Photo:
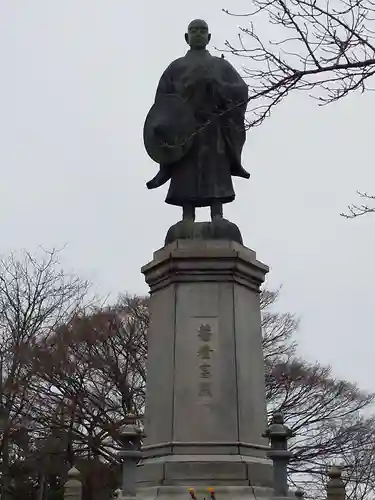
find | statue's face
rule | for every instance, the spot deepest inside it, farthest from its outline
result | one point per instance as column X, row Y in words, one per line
column 198, row 36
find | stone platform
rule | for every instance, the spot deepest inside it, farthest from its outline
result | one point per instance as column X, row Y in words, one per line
column 205, row 409
column 202, row 493
column 219, row 229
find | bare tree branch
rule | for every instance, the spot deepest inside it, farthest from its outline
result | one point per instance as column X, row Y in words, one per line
column 324, row 47
column 362, row 209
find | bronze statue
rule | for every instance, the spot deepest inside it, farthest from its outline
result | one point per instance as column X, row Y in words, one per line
column 195, row 129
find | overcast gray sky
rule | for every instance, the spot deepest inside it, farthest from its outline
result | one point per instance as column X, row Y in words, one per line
column 77, row 79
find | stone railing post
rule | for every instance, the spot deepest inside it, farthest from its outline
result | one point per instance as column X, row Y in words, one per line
column 335, row 485
column 131, row 438
column 278, row 435
column 73, row 485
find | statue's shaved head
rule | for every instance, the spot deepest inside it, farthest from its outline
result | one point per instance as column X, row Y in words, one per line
column 198, row 23
column 197, row 35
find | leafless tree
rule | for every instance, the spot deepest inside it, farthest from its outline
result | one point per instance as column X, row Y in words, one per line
column 358, row 462
column 324, row 47
column 35, row 297
column 366, row 207
column 278, row 329
column 91, row 372
column 329, row 416
column 329, row 419
column 94, row 374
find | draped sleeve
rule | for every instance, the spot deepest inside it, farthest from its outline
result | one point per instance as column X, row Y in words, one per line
column 234, row 87
column 234, row 91
column 170, row 81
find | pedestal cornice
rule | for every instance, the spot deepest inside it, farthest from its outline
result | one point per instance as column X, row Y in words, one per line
column 208, row 261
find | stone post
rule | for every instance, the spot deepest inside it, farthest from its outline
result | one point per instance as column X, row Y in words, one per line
column 73, row 486
column 278, row 435
column 335, row 485
column 130, row 436
column 205, row 407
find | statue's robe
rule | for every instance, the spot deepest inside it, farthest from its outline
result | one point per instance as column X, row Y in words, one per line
column 204, row 175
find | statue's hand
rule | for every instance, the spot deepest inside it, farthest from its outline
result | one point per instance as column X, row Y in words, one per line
column 201, row 83
column 207, row 78
column 198, row 76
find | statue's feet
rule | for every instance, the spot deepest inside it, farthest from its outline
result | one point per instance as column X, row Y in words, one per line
column 160, row 178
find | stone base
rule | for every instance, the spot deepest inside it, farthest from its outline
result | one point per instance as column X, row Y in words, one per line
column 221, row 229
column 210, row 470
column 201, row 492
column 205, row 407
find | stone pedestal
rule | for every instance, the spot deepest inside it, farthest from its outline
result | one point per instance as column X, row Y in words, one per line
column 205, row 410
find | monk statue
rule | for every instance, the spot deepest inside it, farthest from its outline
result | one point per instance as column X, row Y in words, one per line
column 195, row 129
